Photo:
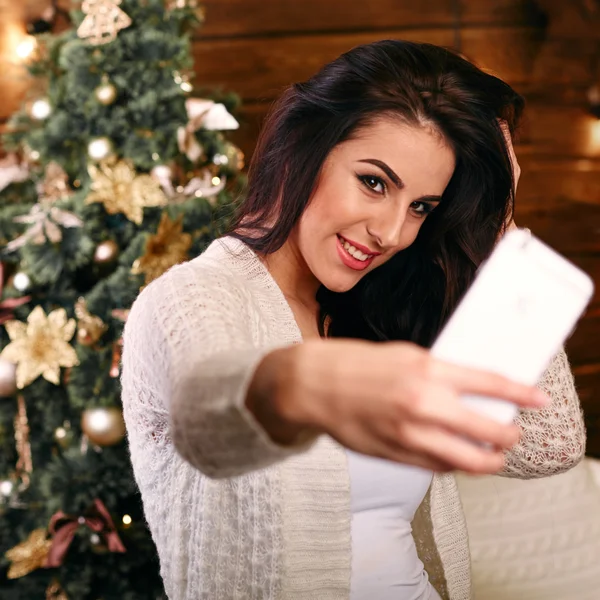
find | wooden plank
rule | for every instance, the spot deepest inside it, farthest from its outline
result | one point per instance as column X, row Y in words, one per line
column 260, row 68
column 583, row 347
column 587, row 382
column 570, row 227
column 257, row 68
column 257, row 17
column 502, row 11
column 591, row 265
column 548, row 188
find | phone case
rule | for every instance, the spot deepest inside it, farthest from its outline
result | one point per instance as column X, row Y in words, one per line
column 523, row 304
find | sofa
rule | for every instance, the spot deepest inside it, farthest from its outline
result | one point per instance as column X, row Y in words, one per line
column 535, row 539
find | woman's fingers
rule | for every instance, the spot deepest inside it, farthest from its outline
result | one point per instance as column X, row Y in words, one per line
column 474, row 381
column 440, row 445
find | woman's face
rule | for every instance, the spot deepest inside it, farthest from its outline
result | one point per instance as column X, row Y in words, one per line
column 372, row 197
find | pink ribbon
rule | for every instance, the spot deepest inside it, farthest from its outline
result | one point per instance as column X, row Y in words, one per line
column 6, row 307
column 62, row 528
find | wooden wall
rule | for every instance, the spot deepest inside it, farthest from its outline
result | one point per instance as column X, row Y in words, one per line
column 549, row 50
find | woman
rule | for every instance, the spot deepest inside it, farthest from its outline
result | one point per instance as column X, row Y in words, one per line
column 275, row 469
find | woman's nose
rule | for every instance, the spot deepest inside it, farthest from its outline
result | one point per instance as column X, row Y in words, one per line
column 387, row 229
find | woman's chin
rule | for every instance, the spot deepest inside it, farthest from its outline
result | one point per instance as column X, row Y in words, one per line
column 339, row 285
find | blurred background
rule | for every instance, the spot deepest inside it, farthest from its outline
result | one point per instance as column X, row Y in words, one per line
column 69, row 97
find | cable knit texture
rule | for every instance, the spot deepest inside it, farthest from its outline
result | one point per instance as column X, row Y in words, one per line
column 234, row 515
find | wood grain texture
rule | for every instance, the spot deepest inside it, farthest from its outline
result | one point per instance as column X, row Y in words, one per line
column 583, row 347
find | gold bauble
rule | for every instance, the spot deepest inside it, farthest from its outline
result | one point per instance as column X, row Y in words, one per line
column 106, row 252
column 106, row 93
column 64, row 435
column 8, row 379
column 103, row 426
column 235, row 157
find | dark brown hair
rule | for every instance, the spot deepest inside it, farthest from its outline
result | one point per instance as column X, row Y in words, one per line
column 411, row 295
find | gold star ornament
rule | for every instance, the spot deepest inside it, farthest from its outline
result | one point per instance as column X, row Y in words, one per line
column 121, row 190
column 40, row 346
column 165, row 249
column 28, row 555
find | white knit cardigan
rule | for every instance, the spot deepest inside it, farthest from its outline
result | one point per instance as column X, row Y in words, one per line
column 234, row 515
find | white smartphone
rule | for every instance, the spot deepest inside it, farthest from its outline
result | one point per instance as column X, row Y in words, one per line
column 523, row 304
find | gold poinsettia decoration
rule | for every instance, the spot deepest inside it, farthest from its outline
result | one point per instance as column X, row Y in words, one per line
column 165, row 249
column 28, row 555
column 90, row 328
column 40, row 346
column 122, row 190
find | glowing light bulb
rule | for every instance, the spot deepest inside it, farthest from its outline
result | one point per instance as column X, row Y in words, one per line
column 41, row 109
column 126, row 520
column 26, row 47
column 216, row 180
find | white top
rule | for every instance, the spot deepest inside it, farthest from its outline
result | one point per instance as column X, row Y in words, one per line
column 384, row 497
column 235, row 516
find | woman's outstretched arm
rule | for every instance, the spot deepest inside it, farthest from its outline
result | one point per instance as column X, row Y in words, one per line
column 553, row 438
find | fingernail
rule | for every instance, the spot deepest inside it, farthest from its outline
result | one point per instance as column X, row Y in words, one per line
column 541, row 398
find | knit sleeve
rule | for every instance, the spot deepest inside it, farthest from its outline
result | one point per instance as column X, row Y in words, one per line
column 552, row 439
column 189, row 335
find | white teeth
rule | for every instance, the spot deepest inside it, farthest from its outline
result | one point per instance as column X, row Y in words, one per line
column 354, row 252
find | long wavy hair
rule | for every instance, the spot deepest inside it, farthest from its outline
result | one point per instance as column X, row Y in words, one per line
column 411, row 295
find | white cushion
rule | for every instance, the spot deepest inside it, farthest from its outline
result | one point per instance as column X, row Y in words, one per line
column 536, row 539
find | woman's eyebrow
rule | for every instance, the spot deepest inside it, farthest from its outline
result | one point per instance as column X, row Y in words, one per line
column 386, row 169
column 395, row 179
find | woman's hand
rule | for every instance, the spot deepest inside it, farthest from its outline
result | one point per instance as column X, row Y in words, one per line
column 391, row 400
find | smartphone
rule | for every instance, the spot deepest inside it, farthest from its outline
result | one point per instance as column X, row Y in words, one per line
column 523, row 304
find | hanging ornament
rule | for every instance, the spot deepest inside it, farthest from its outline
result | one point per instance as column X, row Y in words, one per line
column 12, row 170
column 121, row 314
column 121, row 190
column 63, row 435
column 29, row 555
column 63, row 527
column 24, row 465
column 55, row 185
column 30, row 155
column 21, row 281
column 165, row 249
column 235, row 157
column 40, row 346
column 199, row 11
column 104, row 19
column 106, row 92
column 7, row 306
column 40, row 110
column 43, row 221
column 89, row 327
column 55, row 592
column 115, row 364
column 100, row 148
column 202, row 114
column 103, row 426
column 203, row 186
column 8, row 379
column 106, row 252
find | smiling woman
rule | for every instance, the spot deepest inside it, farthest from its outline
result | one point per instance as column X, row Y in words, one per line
column 277, row 457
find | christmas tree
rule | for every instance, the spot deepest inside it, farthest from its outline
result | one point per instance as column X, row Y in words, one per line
column 118, row 167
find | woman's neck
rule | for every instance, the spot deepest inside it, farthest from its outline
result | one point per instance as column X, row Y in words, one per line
column 292, row 275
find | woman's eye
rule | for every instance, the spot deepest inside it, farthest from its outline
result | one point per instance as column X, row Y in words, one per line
column 422, row 208
column 373, row 183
